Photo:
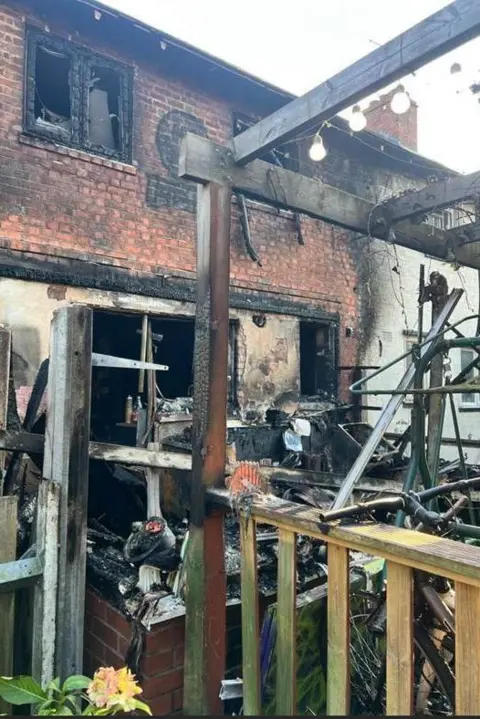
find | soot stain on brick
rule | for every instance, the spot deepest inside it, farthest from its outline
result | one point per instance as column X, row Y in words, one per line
column 172, row 192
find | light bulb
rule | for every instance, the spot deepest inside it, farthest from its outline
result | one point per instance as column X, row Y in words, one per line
column 400, row 101
column 318, row 150
column 456, row 77
column 358, row 121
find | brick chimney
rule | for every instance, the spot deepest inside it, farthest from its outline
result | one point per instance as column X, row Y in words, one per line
column 382, row 120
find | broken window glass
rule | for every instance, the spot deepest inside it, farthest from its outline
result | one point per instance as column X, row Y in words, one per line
column 52, row 91
column 104, row 108
column 77, row 98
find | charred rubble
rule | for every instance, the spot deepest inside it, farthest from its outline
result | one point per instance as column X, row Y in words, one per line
column 304, row 438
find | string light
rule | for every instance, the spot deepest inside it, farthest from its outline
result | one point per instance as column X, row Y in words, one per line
column 357, row 121
column 400, row 101
column 317, row 151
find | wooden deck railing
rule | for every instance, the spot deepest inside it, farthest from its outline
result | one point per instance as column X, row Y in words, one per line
column 404, row 551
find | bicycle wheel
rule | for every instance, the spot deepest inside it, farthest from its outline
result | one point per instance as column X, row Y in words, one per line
column 434, row 686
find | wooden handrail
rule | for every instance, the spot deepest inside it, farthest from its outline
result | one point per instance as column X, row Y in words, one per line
column 405, row 551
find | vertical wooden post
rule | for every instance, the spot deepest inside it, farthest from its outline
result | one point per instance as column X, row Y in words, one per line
column 438, row 292
column 45, row 592
column 66, row 463
column 467, row 642
column 8, row 549
column 252, row 704
column 286, row 624
column 338, row 628
column 399, row 639
column 5, row 350
column 205, row 572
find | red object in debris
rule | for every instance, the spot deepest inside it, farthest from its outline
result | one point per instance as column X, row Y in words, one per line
column 245, row 477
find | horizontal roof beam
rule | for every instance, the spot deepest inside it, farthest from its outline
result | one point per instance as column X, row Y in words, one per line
column 430, row 198
column 443, row 31
column 202, row 160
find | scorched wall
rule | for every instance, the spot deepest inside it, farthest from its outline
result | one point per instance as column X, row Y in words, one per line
column 71, row 205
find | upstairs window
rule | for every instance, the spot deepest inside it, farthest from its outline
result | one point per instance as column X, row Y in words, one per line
column 77, row 98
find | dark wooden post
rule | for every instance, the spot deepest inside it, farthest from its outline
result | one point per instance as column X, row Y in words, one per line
column 205, row 572
column 66, row 463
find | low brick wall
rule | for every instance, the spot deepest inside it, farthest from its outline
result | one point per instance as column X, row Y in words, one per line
column 107, row 637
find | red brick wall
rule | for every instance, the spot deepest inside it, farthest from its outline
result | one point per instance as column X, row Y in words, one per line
column 68, row 203
column 107, row 637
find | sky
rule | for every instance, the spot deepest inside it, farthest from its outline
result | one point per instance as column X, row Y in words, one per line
column 297, row 45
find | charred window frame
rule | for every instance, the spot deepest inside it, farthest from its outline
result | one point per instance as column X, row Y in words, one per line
column 285, row 156
column 66, row 117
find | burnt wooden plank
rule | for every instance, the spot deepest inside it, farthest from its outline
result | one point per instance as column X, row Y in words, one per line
column 252, row 704
column 66, row 463
column 204, row 565
column 467, row 643
column 399, row 639
column 139, row 456
column 22, row 442
column 45, row 593
column 5, row 351
column 8, row 548
column 286, row 624
column 435, row 196
column 441, row 32
column 338, row 626
column 202, row 160
column 446, row 557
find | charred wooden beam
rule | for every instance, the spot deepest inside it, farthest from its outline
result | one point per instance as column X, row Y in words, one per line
column 66, row 463
column 432, row 197
column 433, row 37
column 204, row 563
column 204, row 161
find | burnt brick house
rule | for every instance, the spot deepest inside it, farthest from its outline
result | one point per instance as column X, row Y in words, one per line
column 93, row 106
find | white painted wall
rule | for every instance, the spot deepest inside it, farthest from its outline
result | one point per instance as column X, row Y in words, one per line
column 394, row 292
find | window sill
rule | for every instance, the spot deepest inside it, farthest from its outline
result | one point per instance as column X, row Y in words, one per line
column 469, row 408
column 52, row 146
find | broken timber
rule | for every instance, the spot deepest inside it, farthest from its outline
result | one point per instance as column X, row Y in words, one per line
column 432, row 197
column 205, row 621
column 66, row 463
column 203, row 161
column 433, row 37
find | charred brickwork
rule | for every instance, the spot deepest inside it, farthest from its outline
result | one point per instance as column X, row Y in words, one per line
column 65, row 203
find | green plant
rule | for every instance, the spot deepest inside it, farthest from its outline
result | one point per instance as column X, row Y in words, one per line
column 109, row 692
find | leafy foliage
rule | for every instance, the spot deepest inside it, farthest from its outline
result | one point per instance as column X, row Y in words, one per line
column 109, row 692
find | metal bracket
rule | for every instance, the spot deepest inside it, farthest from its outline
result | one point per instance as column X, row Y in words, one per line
column 100, row 360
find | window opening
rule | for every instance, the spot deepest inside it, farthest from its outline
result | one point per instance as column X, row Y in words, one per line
column 466, row 357
column 77, row 98
column 52, row 91
column 119, row 335
column 104, row 107
column 317, row 359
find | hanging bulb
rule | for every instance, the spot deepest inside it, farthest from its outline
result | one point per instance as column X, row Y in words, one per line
column 318, row 150
column 456, row 76
column 400, row 101
column 358, row 121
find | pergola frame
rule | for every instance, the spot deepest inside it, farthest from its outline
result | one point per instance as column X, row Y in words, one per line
column 219, row 170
